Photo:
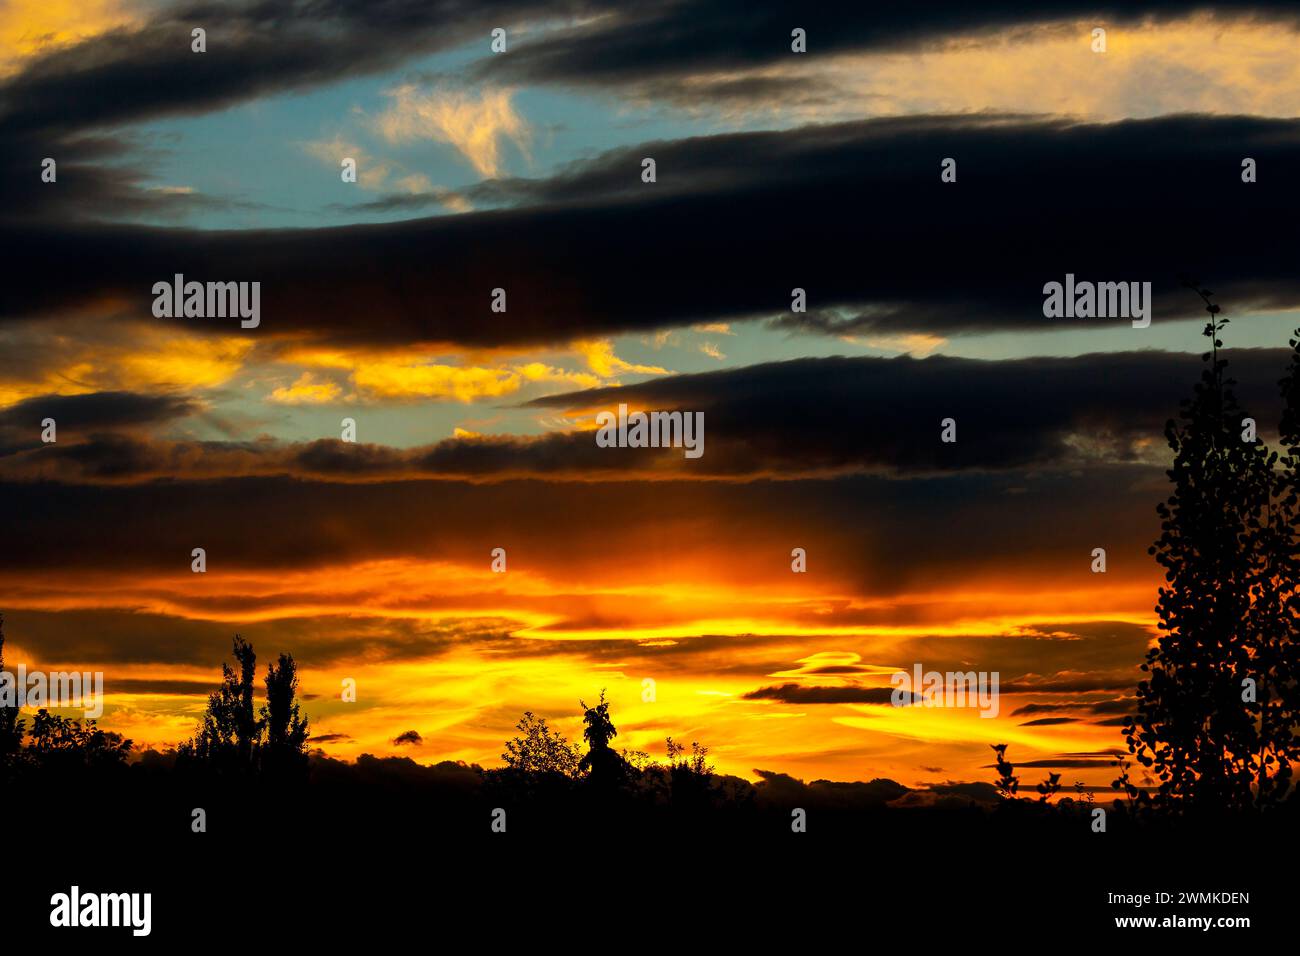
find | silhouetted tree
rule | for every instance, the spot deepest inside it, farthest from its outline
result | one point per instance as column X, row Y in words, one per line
column 1279, row 698
column 285, row 750
column 1007, row 783
column 11, row 724
column 1049, row 787
column 1204, row 739
column 230, row 731
column 59, row 743
column 540, row 750
column 691, row 777
column 602, row 763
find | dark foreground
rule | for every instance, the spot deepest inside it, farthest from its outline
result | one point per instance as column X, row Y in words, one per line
column 332, row 862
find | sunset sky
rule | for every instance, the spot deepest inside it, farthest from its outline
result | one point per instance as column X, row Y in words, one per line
column 522, row 170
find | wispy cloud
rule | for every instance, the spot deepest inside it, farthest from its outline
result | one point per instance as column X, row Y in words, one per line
column 475, row 126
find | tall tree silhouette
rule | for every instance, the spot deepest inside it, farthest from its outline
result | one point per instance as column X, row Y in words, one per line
column 285, row 750
column 1200, row 727
column 1280, row 698
column 230, row 731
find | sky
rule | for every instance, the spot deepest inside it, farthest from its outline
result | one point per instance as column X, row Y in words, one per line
column 522, row 170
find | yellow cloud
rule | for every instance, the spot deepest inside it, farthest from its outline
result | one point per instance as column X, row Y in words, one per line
column 307, row 390
column 372, row 173
column 393, row 380
column 917, row 344
column 410, row 380
column 1203, row 63
column 537, row 372
column 600, row 358
column 32, row 27
column 153, row 360
column 397, row 375
column 475, row 127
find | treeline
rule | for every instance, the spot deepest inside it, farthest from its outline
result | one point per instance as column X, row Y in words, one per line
column 54, row 746
column 234, row 738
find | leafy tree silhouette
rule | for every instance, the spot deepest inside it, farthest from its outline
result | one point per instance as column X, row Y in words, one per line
column 234, row 738
column 1279, row 699
column 691, row 777
column 1049, row 787
column 229, row 733
column 540, row 750
column 285, row 750
column 62, row 743
column 1007, row 783
column 604, row 766
column 1207, row 743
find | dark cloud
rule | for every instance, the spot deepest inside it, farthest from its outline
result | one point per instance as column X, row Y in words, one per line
column 886, row 533
column 160, row 686
column 70, row 104
column 94, row 423
column 783, row 419
column 657, row 46
column 1076, row 763
column 99, row 410
column 1119, row 705
column 1049, row 721
column 979, row 791
column 1041, row 709
column 111, row 637
column 796, row 694
column 253, row 49
column 411, row 737
column 795, row 415
column 853, row 213
column 784, row 789
column 99, row 176
column 1069, row 685
column 328, row 738
column 866, row 537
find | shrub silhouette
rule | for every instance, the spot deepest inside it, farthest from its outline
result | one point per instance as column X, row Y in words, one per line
column 1007, row 783
column 691, row 776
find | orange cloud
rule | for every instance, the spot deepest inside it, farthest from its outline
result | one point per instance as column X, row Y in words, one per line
column 144, row 358
column 32, row 27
